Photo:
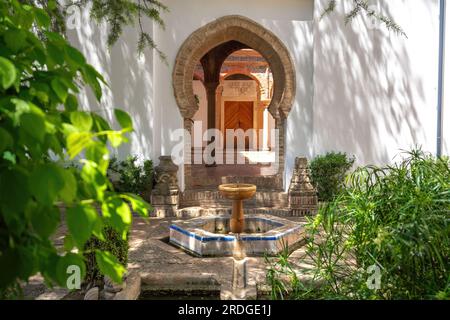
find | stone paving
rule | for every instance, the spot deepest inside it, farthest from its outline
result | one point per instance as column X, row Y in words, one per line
column 150, row 254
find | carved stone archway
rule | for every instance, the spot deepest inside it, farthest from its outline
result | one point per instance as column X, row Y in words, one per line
column 253, row 35
column 248, row 32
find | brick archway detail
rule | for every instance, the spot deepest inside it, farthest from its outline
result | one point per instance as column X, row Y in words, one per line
column 248, row 32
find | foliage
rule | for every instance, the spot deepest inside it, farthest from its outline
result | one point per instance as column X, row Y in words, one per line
column 40, row 120
column 328, row 173
column 112, row 243
column 118, row 14
column 395, row 218
column 363, row 7
column 134, row 178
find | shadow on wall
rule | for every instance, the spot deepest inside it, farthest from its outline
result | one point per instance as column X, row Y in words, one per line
column 129, row 79
column 374, row 90
column 299, row 129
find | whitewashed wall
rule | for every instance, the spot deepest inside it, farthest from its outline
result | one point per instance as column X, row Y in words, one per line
column 446, row 102
column 360, row 90
column 376, row 92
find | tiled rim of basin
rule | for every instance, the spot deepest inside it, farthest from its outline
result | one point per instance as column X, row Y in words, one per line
column 191, row 236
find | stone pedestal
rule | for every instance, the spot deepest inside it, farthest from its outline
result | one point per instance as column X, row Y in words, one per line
column 302, row 194
column 165, row 194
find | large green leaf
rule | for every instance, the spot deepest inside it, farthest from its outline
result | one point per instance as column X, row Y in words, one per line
column 33, row 125
column 109, row 265
column 15, row 39
column 124, row 119
column 14, row 191
column 45, row 183
column 7, row 73
column 69, row 192
column 6, row 140
column 60, row 89
column 77, row 141
column 118, row 214
column 44, row 220
column 82, row 120
column 81, row 221
column 138, row 205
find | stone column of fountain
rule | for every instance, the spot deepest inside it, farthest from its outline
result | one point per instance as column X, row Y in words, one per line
column 238, row 193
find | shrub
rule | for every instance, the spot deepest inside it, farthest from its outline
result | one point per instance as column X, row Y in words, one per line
column 328, row 173
column 132, row 177
column 114, row 243
column 395, row 219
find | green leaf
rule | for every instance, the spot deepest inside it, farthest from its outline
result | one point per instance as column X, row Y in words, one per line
column 71, row 103
column 118, row 214
column 14, row 191
column 77, row 141
column 91, row 76
column 81, row 120
column 124, row 119
column 98, row 153
column 64, row 265
column 33, row 125
column 7, row 73
column 69, row 244
column 44, row 220
column 138, row 205
column 60, row 89
column 109, row 265
column 15, row 39
column 116, row 138
column 96, row 182
column 42, row 18
column 6, row 140
column 69, row 191
column 81, row 220
column 75, row 55
column 45, row 183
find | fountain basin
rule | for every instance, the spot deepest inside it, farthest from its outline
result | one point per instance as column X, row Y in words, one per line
column 211, row 237
column 237, row 192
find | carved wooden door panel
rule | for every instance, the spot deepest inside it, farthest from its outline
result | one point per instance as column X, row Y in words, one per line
column 238, row 115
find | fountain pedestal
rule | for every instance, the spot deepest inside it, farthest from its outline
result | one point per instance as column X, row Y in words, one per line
column 237, row 192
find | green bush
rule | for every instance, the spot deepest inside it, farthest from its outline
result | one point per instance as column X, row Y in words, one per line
column 394, row 218
column 113, row 243
column 133, row 178
column 328, row 173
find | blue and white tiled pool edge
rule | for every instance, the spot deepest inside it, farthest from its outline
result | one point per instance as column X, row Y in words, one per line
column 190, row 236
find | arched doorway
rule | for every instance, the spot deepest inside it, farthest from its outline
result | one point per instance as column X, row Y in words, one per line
column 211, row 45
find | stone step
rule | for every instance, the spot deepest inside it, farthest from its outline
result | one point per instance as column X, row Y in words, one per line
column 213, row 199
column 273, row 182
column 192, row 212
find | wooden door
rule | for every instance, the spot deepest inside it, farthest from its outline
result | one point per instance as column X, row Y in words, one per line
column 238, row 115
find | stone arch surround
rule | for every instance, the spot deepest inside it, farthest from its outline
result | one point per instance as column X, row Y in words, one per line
column 248, row 32
column 255, row 36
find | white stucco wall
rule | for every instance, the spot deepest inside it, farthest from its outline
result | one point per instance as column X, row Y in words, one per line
column 376, row 92
column 130, row 78
column 446, row 101
column 361, row 90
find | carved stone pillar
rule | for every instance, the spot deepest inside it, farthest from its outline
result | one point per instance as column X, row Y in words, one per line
column 165, row 194
column 302, row 194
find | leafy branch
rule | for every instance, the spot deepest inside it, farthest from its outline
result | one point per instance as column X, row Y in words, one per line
column 363, row 7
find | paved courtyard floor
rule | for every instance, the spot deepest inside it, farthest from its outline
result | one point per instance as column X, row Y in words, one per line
column 151, row 254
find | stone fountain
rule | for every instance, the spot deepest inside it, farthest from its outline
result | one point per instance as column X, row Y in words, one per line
column 249, row 235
